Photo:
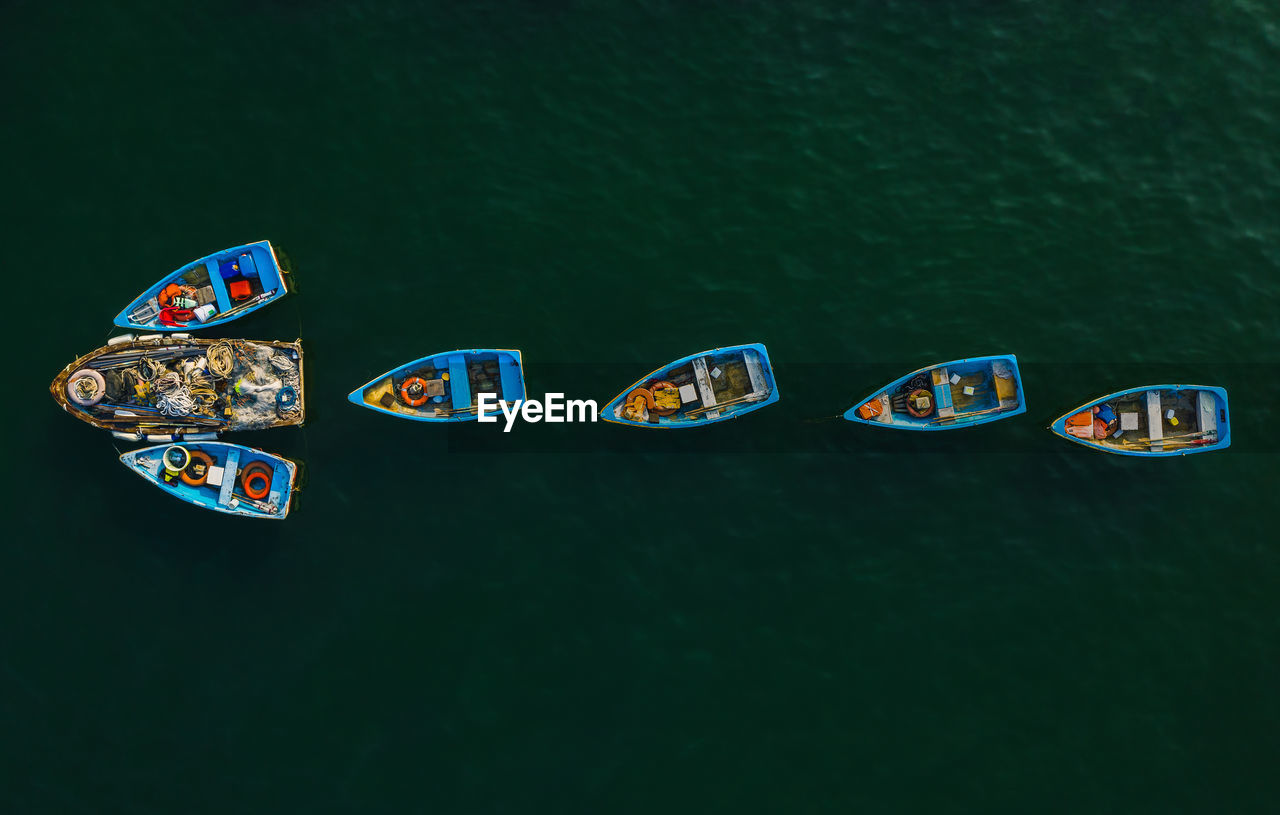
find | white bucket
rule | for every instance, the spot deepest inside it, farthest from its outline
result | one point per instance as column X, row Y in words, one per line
column 205, row 312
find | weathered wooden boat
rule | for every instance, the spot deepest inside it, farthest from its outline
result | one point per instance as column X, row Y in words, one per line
column 216, row 475
column 701, row 389
column 163, row 388
column 1153, row 420
column 956, row 394
column 445, row 387
column 213, row 290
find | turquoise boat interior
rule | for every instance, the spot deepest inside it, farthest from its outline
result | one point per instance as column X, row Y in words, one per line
column 446, row 387
column 698, row 390
column 224, row 477
column 1153, row 420
column 962, row 393
column 210, row 291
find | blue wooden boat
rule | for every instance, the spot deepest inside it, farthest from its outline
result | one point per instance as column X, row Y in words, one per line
column 210, row 291
column 445, row 387
column 228, row 478
column 962, row 393
column 1153, row 420
column 697, row 390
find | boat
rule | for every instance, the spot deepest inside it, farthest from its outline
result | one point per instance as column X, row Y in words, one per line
column 213, row 290
column 1152, row 420
column 216, row 475
column 951, row 395
column 697, row 390
column 445, row 387
column 161, row 388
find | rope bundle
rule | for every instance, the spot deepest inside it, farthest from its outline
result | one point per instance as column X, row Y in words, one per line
column 221, row 359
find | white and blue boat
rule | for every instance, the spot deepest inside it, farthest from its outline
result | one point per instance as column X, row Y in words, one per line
column 697, row 390
column 213, row 290
column 1152, row 420
column 215, row 475
column 962, row 393
column 446, row 387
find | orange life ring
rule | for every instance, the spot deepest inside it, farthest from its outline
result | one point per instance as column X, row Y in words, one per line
column 407, row 398
column 256, row 470
column 203, row 460
column 661, row 386
column 919, row 413
column 642, row 393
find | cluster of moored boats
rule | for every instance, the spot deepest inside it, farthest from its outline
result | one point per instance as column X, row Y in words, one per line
column 181, row 393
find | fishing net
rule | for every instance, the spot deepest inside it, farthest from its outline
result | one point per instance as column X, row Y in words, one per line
column 268, row 384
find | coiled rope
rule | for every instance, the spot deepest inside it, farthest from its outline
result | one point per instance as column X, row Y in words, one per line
column 221, row 359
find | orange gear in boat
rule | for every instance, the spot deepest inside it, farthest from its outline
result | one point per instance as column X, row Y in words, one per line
column 167, row 294
column 407, row 390
column 870, row 410
column 259, row 474
column 645, row 394
column 199, row 461
column 920, row 412
column 1080, row 419
column 661, row 386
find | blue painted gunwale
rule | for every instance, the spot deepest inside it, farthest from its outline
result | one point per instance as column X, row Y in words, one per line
column 284, row 473
column 1224, row 425
column 732, row 412
column 439, row 361
column 269, row 274
column 852, row 413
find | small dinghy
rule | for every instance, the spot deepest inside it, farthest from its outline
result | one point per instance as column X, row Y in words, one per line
column 215, row 475
column 446, row 387
column 210, row 291
column 956, row 394
column 1153, row 420
column 698, row 390
column 163, row 388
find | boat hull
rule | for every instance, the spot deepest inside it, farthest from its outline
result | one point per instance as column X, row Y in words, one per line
column 263, row 389
column 962, row 393
column 445, row 387
column 710, row 387
column 222, row 487
column 256, row 279
column 1134, row 413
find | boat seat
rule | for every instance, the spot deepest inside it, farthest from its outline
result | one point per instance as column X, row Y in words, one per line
column 1207, row 407
column 509, row 377
column 942, row 393
column 459, row 384
column 230, row 470
column 702, row 378
column 1155, row 422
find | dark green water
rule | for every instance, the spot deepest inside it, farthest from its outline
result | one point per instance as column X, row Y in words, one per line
column 772, row 615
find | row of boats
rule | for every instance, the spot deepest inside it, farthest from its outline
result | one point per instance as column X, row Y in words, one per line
column 725, row 383
column 182, row 392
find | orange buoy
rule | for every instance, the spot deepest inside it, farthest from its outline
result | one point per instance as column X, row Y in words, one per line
column 407, row 389
column 256, row 480
column 645, row 394
column 199, row 461
column 920, row 412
